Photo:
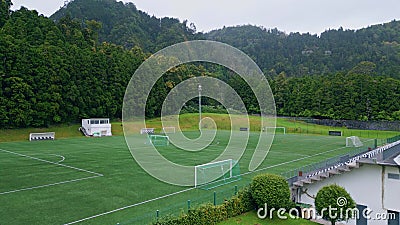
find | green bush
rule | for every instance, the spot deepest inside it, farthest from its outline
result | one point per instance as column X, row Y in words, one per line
column 246, row 200
column 210, row 214
column 265, row 188
column 239, row 204
column 334, row 196
column 270, row 189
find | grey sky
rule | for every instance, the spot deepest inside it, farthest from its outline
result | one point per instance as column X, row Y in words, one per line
column 314, row 16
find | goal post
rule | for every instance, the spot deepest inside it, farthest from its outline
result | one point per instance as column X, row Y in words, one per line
column 274, row 130
column 168, row 130
column 158, row 140
column 42, row 136
column 215, row 174
column 353, row 141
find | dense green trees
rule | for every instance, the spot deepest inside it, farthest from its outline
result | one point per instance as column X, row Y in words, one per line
column 352, row 95
column 4, row 11
column 305, row 54
column 59, row 72
column 274, row 51
column 56, row 73
column 125, row 25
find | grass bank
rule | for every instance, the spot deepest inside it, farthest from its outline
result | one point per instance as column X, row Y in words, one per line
column 189, row 122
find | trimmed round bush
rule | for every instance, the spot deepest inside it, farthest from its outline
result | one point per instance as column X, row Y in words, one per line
column 334, row 197
column 270, row 189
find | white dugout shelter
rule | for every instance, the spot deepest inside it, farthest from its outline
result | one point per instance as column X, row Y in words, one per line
column 96, row 127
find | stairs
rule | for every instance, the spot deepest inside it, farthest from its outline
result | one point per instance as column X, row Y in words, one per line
column 323, row 174
column 83, row 130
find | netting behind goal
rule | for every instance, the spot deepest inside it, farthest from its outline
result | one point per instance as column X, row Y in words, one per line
column 158, row 140
column 274, row 130
column 214, row 174
column 353, row 141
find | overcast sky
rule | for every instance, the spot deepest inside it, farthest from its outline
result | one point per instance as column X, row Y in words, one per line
column 314, row 16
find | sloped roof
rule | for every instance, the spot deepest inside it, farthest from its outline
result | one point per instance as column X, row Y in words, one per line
column 397, row 160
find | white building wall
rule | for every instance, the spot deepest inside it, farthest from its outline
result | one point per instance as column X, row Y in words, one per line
column 391, row 195
column 364, row 186
column 102, row 129
column 86, row 124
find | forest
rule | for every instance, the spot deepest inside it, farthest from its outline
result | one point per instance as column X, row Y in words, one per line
column 78, row 62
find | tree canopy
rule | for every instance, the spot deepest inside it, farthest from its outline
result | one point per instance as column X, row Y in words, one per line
column 334, row 203
column 78, row 63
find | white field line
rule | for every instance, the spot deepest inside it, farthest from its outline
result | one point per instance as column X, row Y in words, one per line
column 58, row 164
column 289, row 153
column 62, row 158
column 161, row 197
column 129, row 206
column 175, row 193
column 306, row 157
column 53, row 184
column 47, row 185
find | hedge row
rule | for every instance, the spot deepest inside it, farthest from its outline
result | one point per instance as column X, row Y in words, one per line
column 264, row 188
column 210, row 214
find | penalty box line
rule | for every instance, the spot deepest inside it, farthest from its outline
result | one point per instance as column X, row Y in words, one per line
column 161, row 197
column 130, row 206
column 295, row 160
column 54, row 163
column 185, row 190
column 175, row 193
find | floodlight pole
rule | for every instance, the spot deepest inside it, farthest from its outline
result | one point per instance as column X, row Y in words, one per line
column 199, row 106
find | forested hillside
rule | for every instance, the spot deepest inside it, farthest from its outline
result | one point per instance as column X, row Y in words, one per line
column 125, row 25
column 355, row 95
column 305, row 54
column 77, row 64
column 57, row 73
column 274, row 51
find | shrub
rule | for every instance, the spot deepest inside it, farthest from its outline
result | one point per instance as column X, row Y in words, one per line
column 210, row 214
column 265, row 188
column 239, row 204
column 334, row 196
column 270, row 189
column 246, row 200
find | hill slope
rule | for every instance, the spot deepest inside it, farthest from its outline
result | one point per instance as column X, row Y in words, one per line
column 274, row 51
column 125, row 25
column 302, row 54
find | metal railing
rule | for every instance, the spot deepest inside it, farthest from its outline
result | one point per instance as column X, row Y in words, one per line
column 178, row 208
column 217, row 197
column 391, row 147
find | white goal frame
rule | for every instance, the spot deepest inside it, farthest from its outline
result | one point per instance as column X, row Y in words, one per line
column 353, row 141
column 153, row 137
column 265, row 129
column 169, row 130
column 229, row 161
column 147, row 131
column 42, row 136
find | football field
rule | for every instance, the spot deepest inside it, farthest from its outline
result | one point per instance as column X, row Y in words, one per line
column 97, row 181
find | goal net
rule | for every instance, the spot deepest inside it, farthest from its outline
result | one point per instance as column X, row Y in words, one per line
column 168, row 130
column 215, row 174
column 353, row 141
column 147, row 131
column 158, row 140
column 275, row 130
column 42, row 136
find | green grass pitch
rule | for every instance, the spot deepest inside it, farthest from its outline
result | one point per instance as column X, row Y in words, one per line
column 97, row 181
